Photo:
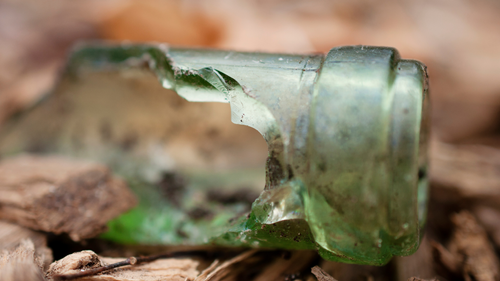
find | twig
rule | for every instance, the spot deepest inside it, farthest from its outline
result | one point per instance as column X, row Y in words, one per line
column 129, row 261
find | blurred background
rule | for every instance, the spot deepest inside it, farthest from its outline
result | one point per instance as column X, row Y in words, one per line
column 459, row 41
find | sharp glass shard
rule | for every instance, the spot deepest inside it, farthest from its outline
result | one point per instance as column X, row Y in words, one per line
column 346, row 145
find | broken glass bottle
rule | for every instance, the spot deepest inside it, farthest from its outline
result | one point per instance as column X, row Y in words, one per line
column 346, row 136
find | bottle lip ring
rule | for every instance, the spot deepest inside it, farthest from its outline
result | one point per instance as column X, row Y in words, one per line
column 376, row 140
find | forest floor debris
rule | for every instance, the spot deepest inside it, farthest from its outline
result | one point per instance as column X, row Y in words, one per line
column 60, row 195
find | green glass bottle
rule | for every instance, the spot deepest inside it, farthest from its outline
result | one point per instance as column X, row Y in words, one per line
column 346, row 136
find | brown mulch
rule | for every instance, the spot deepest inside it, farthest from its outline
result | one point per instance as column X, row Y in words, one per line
column 458, row 41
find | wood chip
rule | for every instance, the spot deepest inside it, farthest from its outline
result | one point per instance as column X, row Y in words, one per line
column 20, row 264
column 163, row 269
column 321, row 275
column 60, row 195
column 11, row 236
column 470, row 243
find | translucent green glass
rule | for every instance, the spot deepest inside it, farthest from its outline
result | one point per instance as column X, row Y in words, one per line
column 346, row 136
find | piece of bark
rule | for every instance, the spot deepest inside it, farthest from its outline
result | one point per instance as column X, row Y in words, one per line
column 420, row 264
column 470, row 243
column 321, row 275
column 20, row 264
column 11, row 236
column 163, row 269
column 60, row 195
